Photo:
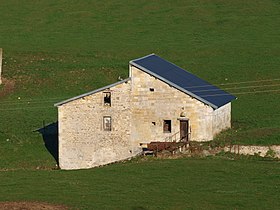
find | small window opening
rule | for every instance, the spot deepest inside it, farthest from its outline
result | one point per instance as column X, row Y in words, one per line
column 152, row 89
column 107, row 123
column 167, row 126
column 107, row 99
column 154, row 123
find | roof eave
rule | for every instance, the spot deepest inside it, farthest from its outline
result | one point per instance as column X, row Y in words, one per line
column 91, row 92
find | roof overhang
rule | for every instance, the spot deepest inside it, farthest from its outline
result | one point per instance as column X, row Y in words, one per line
column 91, row 92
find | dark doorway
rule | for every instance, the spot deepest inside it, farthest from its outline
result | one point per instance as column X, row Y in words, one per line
column 184, row 130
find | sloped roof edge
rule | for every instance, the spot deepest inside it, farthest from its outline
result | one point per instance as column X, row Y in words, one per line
column 178, row 78
column 91, row 92
column 171, row 83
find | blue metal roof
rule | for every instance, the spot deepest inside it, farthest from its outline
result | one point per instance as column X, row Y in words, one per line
column 183, row 80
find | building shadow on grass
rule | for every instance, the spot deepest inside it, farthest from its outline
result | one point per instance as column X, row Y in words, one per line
column 50, row 137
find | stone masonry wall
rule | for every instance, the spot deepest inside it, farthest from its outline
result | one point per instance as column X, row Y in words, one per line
column 83, row 143
column 263, row 151
column 221, row 119
column 151, row 108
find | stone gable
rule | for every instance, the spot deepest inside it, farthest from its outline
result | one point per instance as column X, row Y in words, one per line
column 151, row 108
column 83, row 141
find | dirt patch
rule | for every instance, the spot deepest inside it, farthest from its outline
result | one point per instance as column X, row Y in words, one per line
column 30, row 206
column 9, row 86
column 263, row 132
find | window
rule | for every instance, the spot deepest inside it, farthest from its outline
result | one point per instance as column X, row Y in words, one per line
column 107, row 123
column 107, row 98
column 152, row 89
column 167, row 126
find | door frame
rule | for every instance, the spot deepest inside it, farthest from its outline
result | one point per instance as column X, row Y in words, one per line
column 184, row 129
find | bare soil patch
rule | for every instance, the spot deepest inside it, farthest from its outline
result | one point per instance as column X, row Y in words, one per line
column 23, row 205
column 9, row 86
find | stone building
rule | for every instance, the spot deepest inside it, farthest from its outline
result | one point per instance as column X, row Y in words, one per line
column 158, row 102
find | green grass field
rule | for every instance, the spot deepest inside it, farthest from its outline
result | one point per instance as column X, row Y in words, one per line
column 54, row 50
column 158, row 184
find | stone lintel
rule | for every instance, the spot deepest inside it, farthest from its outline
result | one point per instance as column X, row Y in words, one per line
column 183, row 118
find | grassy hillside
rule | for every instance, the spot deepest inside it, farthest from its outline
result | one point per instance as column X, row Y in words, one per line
column 54, row 50
column 169, row 184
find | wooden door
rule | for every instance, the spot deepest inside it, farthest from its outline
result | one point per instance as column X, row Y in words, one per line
column 184, row 130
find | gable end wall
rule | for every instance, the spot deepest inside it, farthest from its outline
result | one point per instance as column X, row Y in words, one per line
column 83, row 143
column 151, row 108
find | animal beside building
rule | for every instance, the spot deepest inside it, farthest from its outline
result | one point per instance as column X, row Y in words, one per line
column 158, row 102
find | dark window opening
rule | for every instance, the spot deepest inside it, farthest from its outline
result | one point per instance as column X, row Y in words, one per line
column 152, row 89
column 107, row 99
column 167, row 126
column 107, row 123
column 154, row 123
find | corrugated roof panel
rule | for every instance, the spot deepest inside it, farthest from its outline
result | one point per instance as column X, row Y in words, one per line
column 183, row 80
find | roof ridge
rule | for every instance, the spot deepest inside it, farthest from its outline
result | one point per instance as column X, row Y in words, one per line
column 142, row 57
